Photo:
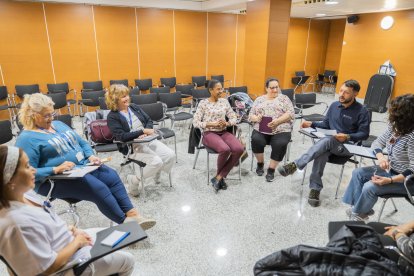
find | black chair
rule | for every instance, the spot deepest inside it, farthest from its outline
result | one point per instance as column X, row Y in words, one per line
column 186, row 94
column 408, row 185
column 220, row 78
column 22, row 90
column 123, row 82
column 305, row 101
column 170, row 82
column 160, row 90
column 60, row 101
column 233, row 90
column 6, row 134
column 92, row 86
column 200, row 94
column 65, row 118
column 144, row 99
column 89, row 99
column 4, row 95
column 199, row 81
column 157, row 114
column 144, row 84
column 300, row 80
column 300, row 73
column 135, row 91
column 327, row 78
column 102, row 103
column 63, row 87
column 173, row 102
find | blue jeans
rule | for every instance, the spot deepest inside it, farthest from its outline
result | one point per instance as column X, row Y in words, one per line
column 363, row 194
column 102, row 186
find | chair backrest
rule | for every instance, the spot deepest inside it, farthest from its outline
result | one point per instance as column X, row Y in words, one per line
column 3, row 92
column 22, row 90
column 92, row 95
column 6, row 133
column 155, row 111
column 233, row 90
column 299, row 73
column 171, row 99
column 65, row 118
column 378, row 92
column 123, row 82
column 144, row 98
column 199, row 80
column 201, row 93
column 185, row 88
column 58, row 87
column 59, row 99
column 92, row 85
column 307, row 98
column 171, row 82
column 220, row 78
column 290, row 93
column 165, row 89
column 135, row 91
column 329, row 73
column 144, row 84
column 102, row 103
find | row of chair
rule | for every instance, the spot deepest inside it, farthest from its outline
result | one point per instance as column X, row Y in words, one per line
column 327, row 79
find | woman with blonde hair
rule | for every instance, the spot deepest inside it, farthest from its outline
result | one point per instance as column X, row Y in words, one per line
column 127, row 122
column 53, row 147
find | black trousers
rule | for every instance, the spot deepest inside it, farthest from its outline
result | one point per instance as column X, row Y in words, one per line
column 278, row 142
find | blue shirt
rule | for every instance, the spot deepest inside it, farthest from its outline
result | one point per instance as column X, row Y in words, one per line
column 353, row 120
column 48, row 150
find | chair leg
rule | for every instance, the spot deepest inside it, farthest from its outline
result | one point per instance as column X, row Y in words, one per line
column 251, row 165
column 240, row 162
column 141, row 170
column 208, row 168
column 175, row 148
column 195, row 159
column 304, row 175
column 73, row 212
column 339, row 182
column 395, row 207
column 169, row 177
column 382, row 209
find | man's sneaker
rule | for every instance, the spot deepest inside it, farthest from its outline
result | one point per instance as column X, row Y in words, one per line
column 358, row 217
column 133, row 185
column 349, row 213
column 259, row 169
column 287, row 169
column 223, row 184
column 313, row 198
column 270, row 176
column 215, row 183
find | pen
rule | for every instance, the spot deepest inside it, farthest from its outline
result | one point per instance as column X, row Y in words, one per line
column 121, row 239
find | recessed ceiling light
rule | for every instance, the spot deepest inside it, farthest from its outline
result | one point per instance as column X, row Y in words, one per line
column 331, row 2
column 221, row 251
column 387, row 22
column 186, row 208
column 320, row 14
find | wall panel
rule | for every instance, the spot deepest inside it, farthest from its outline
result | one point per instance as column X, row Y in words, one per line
column 156, row 43
column 221, row 45
column 24, row 51
column 334, row 48
column 241, row 40
column 190, row 44
column 117, row 43
column 73, row 43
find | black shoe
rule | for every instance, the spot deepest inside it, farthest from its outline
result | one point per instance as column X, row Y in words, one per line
column 215, row 183
column 223, row 185
column 270, row 176
column 259, row 169
column 287, row 169
column 313, row 198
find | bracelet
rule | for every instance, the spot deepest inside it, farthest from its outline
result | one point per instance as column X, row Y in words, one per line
column 391, row 180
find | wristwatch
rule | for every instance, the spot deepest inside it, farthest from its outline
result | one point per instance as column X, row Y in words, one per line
column 348, row 137
column 395, row 232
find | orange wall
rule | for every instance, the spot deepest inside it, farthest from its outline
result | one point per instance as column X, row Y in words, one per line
column 368, row 46
column 334, row 47
column 89, row 43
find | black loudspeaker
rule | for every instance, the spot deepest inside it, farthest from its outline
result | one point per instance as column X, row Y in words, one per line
column 352, row 19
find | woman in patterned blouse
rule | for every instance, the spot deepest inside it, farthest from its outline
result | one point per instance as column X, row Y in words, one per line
column 211, row 118
column 272, row 116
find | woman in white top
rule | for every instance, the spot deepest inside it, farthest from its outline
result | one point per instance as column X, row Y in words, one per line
column 42, row 243
column 211, row 116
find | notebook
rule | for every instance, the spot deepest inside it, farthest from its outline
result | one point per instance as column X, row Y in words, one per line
column 115, row 238
column 263, row 125
column 146, row 139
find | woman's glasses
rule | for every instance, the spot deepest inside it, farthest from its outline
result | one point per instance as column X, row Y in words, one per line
column 48, row 116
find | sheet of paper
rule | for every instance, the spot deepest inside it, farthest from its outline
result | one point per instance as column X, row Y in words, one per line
column 327, row 132
column 80, row 171
column 308, row 129
column 114, row 238
column 360, row 151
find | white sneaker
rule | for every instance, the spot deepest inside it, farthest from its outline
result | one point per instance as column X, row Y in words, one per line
column 157, row 177
column 145, row 223
column 133, row 185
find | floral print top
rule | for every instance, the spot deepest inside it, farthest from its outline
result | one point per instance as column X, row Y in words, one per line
column 209, row 112
column 274, row 108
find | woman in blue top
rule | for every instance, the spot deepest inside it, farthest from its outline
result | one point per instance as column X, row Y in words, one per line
column 53, row 147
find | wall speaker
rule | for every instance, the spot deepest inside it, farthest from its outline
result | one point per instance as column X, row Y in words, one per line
column 352, row 19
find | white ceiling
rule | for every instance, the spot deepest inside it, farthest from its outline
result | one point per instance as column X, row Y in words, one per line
column 299, row 8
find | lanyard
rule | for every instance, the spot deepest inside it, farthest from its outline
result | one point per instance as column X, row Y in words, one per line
column 64, row 137
column 129, row 118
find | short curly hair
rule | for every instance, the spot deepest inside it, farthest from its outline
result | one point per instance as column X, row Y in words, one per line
column 401, row 114
column 114, row 93
column 32, row 104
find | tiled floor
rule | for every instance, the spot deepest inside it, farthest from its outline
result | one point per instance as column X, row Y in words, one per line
column 199, row 232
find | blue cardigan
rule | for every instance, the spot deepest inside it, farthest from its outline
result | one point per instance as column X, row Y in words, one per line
column 48, row 150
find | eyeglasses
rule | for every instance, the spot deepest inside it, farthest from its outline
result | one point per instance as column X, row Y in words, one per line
column 48, row 116
column 273, row 88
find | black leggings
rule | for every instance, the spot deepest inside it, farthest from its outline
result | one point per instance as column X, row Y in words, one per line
column 278, row 142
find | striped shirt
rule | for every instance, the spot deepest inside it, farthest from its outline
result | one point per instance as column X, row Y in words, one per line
column 406, row 245
column 400, row 150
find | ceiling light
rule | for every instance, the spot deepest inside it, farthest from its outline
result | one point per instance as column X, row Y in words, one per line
column 221, row 252
column 186, row 208
column 387, row 22
column 390, row 4
column 320, row 14
column 331, row 2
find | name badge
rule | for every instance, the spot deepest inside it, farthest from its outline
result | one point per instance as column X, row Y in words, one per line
column 80, row 156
